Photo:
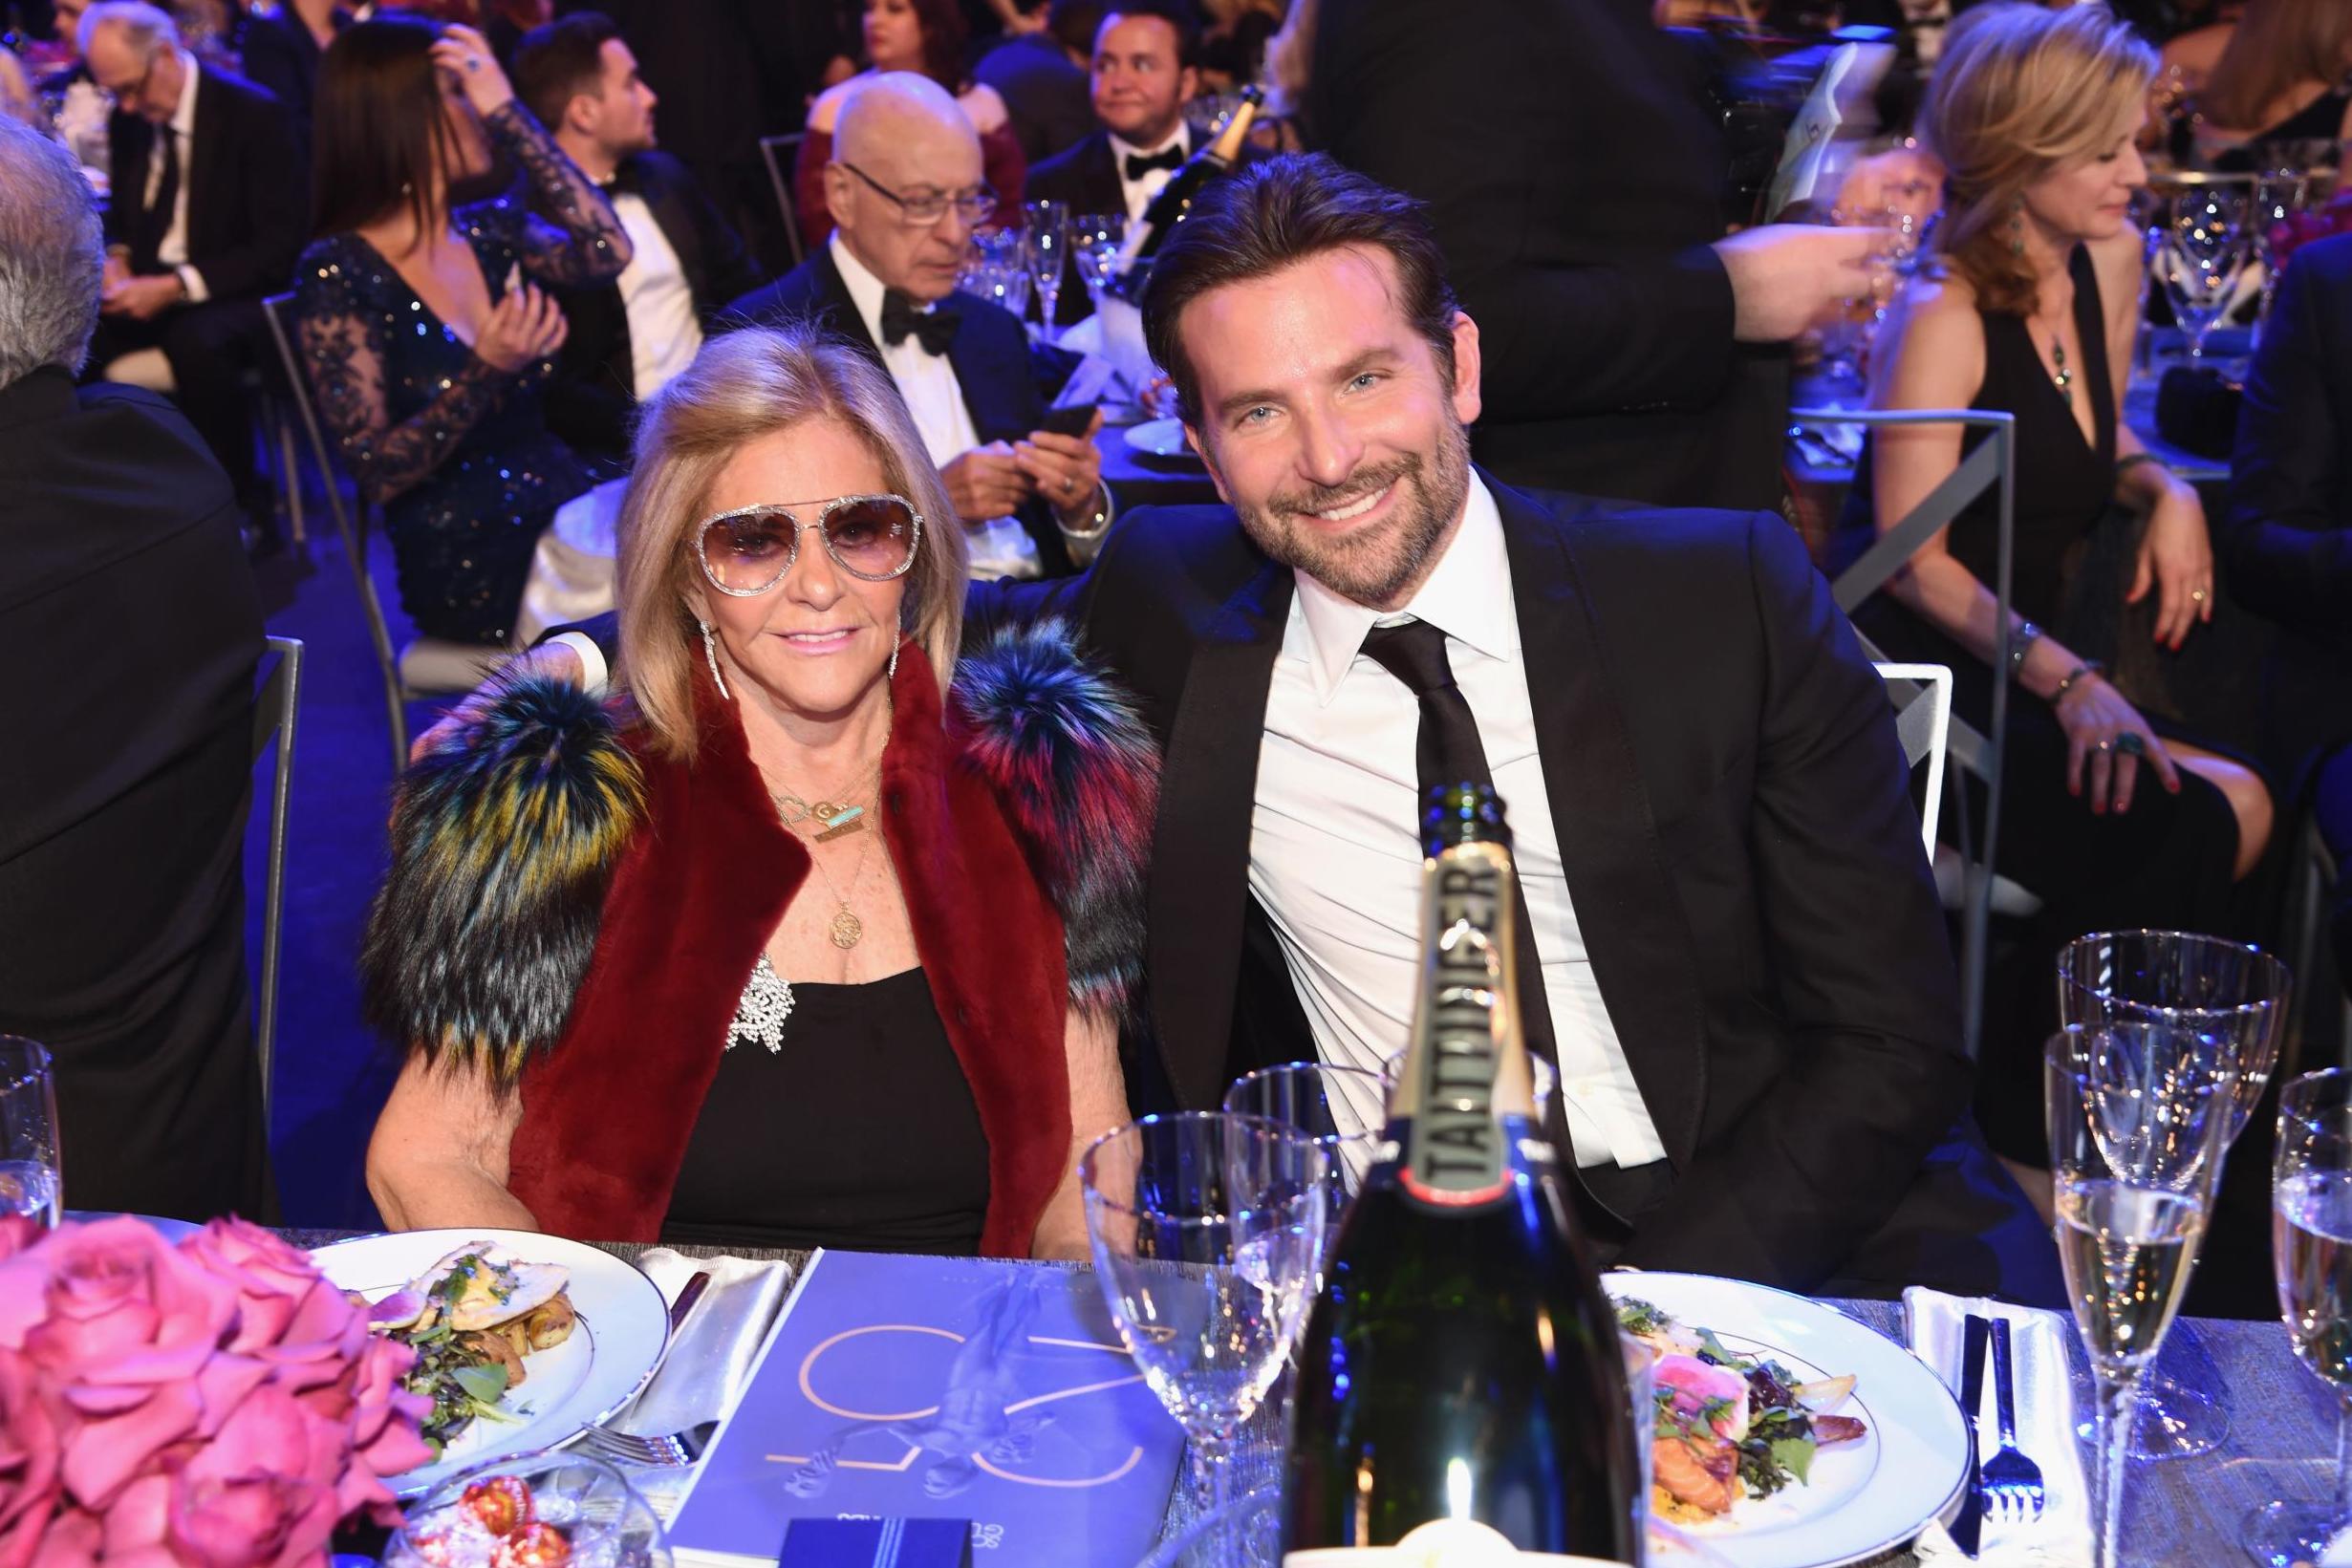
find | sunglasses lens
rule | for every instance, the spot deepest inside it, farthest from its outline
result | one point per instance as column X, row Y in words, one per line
column 749, row 553
column 872, row 537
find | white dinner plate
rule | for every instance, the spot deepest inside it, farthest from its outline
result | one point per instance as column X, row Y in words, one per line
column 623, row 1326
column 1862, row 1498
column 1160, row 439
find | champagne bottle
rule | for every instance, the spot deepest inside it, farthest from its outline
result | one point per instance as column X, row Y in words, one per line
column 1167, row 209
column 1461, row 1378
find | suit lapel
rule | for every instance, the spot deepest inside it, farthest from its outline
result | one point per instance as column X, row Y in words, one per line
column 206, row 168
column 1105, row 191
column 837, row 313
column 1627, row 908
column 1201, row 848
column 993, row 370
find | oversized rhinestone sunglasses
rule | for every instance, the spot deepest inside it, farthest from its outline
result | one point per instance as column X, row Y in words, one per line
column 747, row 551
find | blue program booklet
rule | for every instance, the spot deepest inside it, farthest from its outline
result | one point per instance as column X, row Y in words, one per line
column 905, row 1387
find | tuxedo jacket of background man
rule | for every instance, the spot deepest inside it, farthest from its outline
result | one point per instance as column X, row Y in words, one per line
column 611, row 356
column 1575, row 181
column 239, row 220
column 1001, row 384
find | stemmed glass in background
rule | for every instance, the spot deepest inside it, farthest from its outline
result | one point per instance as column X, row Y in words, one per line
column 1095, row 241
column 2138, row 1116
column 2311, row 1245
column 2233, row 994
column 1324, row 1103
column 1207, row 1233
column 996, row 268
column 30, row 1182
column 1049, row 249
column 2201, row 250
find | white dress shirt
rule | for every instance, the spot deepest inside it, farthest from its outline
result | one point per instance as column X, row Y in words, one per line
column 665, row 332
column 999, row 546
column 1335, row 853
column 1139, row 192
column 173, row 250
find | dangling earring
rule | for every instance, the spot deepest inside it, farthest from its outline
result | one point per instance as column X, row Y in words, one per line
column 893, row 676
column 710, row 652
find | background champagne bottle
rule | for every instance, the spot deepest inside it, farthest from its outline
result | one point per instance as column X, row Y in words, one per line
column 1167, row 209
column 1462, row 1362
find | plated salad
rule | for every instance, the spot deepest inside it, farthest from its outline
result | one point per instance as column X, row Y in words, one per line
column 1729, row 1427
column 475, row 1318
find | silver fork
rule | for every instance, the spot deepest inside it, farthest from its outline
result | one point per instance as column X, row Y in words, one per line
column 677, row 1449
column 2012, row 1482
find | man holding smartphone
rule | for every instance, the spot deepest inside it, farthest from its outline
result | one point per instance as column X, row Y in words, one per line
column 906, row 191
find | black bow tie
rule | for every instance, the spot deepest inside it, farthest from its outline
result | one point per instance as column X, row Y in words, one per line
column 901, row 318
column 1138, row 164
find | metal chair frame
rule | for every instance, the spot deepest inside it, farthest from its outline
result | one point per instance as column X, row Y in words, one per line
column 771, row 147
column 1991, row 467
column 276, row 706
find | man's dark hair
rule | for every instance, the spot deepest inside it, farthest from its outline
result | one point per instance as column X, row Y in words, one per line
column 1074, row 24
column 1177, row 14
column 558, row 61
column 1275, row 214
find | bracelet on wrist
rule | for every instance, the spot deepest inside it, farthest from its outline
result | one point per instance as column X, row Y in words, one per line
column 2021, row 643
column 2081, row 671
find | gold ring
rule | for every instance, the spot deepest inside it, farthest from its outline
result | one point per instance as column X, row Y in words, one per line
column 2196, row 595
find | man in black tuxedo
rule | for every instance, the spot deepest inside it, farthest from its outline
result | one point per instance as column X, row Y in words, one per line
column 206, row 215
column 1575, row 179
column 630, row 336
column 905, row 191
column 126, row 604
column 1039, row 70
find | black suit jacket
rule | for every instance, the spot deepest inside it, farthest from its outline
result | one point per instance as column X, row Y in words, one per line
column 1574, row 180
column 281, row 58
column 1004, row 383
column 249, row 193
column 2285, row 539
column 1046, row 94
column 591, row 399
column 123, row 794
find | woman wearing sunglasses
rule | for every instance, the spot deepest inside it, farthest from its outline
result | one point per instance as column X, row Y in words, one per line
column 819, row 937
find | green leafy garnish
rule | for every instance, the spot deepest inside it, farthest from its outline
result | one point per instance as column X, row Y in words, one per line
column 483, row 1384
column 1639, row 1317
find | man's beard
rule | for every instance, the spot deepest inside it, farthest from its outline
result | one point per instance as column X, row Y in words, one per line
column 1373, row 566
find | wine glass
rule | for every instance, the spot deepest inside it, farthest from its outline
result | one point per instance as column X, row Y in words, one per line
column 1096, row 240
column 2229, row 992
column 2138, row 1118
column 1207, row 1231
column 996, row 268
column 2201, row 249
column 31, row 1178
column 1343, row 1109
column 2311, row 1245
column 1047, row 254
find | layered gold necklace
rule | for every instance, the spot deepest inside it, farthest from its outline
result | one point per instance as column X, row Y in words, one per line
column 838, row 816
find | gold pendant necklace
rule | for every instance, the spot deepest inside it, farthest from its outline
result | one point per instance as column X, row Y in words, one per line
column 838, row 817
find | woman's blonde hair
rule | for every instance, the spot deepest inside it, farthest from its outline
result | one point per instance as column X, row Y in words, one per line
column 2018, row 91
column 2276, row 46
column 742, row 386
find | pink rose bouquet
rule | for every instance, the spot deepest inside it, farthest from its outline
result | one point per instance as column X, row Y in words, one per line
column 212, row 1405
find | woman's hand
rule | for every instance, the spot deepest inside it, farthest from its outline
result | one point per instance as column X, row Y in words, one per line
column 2096, row 722
column 525, row 325
column 2176, row 558
column 466, row 55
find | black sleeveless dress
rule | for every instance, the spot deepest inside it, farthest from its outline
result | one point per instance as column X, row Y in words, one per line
column 861, row 1132
column 2165, row 864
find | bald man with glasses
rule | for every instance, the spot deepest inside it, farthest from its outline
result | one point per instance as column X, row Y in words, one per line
column 906, row 190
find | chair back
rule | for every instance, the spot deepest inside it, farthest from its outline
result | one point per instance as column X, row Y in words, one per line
column 353, row 531
column 276, row 705
column 1922, row 698
column 780, row 153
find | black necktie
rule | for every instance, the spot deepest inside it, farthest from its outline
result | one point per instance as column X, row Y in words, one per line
column 156, row 221
column 1449, row 752
column 901, row 318
column 1138, row 164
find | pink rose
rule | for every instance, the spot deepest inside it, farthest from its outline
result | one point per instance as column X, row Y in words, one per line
column 17, row 1232
column 29, row 1483
column 384, row 1419
column 260, row 1494
column 289, row 1317
column 74, row 1539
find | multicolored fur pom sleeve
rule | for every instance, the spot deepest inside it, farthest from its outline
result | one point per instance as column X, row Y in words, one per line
column 1078, row 771
column 504, row 841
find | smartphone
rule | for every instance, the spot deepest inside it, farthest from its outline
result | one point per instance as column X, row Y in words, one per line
column 1070, row 422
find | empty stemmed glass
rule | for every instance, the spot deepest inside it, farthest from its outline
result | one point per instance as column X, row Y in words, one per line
column 996, row 268
column 1343, row 1109
column 1048, row 250
column 1096, row 240
column 2311, row 1247
column 29, row 1180
column 2201, row 249
column 2231, row 994
column 2138, row 1118
column 1207, row 1231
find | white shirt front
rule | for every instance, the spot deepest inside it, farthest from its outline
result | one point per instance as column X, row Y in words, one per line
column 1335, row 855
column 173, row 250
column 1139, row 192
column 665, row 332
column 1000, row 546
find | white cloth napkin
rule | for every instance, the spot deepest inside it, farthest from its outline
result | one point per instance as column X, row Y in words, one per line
column 572, row 568
column 710, row 1356
column 2062, row 1538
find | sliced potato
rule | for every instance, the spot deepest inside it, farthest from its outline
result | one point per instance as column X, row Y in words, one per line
column 1824, row 1394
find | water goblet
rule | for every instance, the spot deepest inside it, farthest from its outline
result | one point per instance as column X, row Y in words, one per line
column 996, row 269
column 2229, row 992
column 1207, row 1229
column 1047, row 253
column 2201, row 249
column 1096, row 240
column 2137, row 1119
column 31, row 1182
column 1344, row 1110
column 2311, row 1248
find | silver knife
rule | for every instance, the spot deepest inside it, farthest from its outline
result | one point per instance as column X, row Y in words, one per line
column 1967, row 1529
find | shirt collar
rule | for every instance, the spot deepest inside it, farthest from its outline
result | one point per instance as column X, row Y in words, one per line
column 866, row 290
column 183, row 117
column 1468, row 598
column 1121, row 148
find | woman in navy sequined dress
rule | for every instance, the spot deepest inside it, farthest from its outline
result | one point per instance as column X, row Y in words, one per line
column 424, row 331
